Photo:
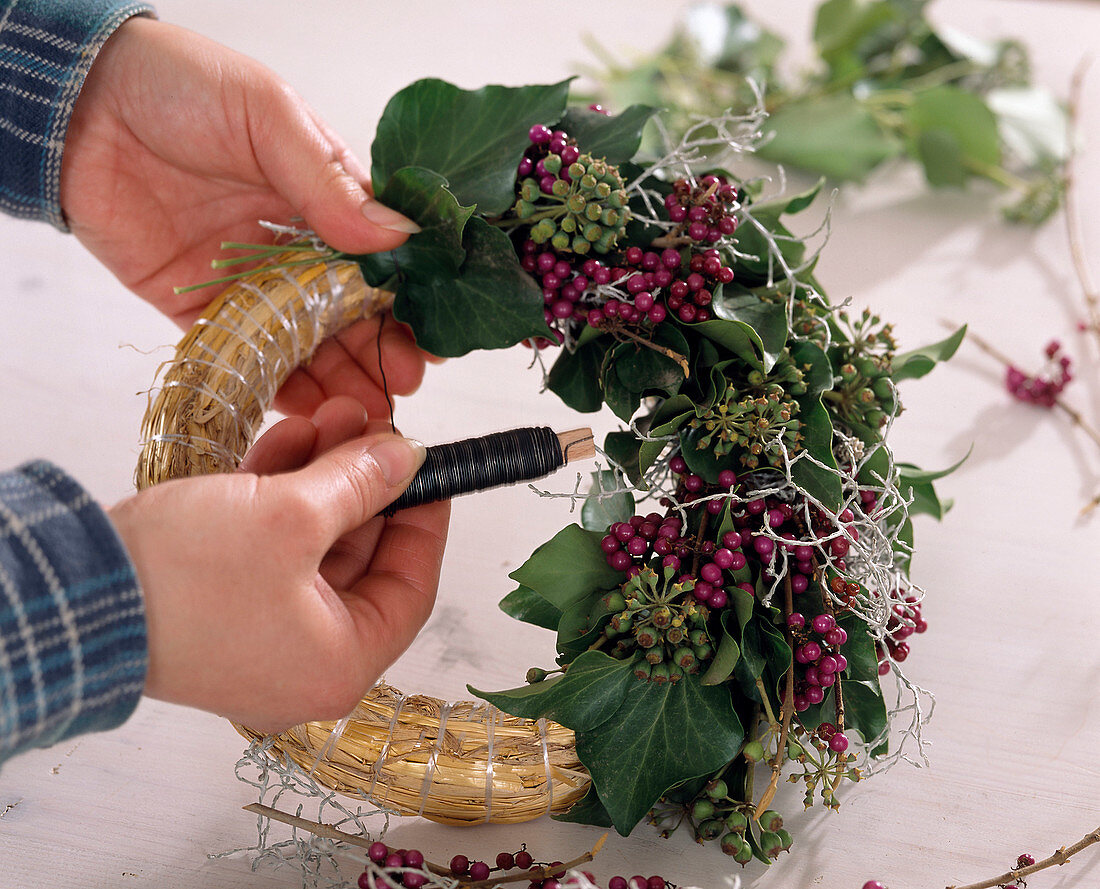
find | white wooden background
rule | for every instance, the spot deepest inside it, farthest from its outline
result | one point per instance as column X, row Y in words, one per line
column 1012, row 651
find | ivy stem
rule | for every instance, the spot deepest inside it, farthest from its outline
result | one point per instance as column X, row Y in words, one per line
column 787, row 712
column 600, row 640
column 1060, row 857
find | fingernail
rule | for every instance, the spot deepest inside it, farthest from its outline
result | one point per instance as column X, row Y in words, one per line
column 384, row 217
column 398, row 458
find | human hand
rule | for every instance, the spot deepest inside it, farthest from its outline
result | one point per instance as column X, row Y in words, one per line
column 177, row 144
column 275, row 599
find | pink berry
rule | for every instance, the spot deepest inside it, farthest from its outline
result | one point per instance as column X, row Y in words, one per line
column 838, row 743
column 479, row 870
column 874, row 884
column 377, row 852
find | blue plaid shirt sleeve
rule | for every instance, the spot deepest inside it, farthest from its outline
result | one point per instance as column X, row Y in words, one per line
column 73, row 652
column 46, row 49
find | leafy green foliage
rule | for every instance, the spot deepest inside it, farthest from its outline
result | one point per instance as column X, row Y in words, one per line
column 889, row 84
column 628, row 759
column 660, row 677
column 490, row 304
column 474, row 139
column 567, row 568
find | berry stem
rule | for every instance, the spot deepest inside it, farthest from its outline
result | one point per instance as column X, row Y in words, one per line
column 539, row 872
column 787, row 711
column 1060, row 857
column 328, row 832
column 618, row 329
column 1074, row 415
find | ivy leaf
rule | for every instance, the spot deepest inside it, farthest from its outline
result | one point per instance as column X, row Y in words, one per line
column 615, row 138
column 942, row 158
column 600, row 511
column 817, row 428
column 423, row 196
column 643, row 369
column 956, row 131
column 575, row 377
column 524, row 604
column 584, row 698
column 474, row 139
column 725, row 659
column 915, row 364
column 834, row 136
column 580, row 625
column 568, row 567
column 762, row 647
column 492, row 303
column 660, row 736
column 859, row 650
column 865, row 710
column 623, row 448
column 670, row 416
column 749, row 327
column 587, row 810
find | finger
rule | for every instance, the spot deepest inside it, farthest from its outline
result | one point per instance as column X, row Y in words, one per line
column 344, row 488
column 337, row 420
column 285, row 446
column 390, row 603
column 348, row 364
column 402, row 361
column 304, row 166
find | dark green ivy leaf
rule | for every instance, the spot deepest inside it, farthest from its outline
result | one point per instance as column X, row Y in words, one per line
column 600, row 511
column 423, row 196
column 575, row 376
column 568, row 567
column 473, row 138
column 916, row 363
column 584, row 698
column 524, row 604
column 817, row 428
column 629, row 757
column 622, row 447
column 588, row 810
column 727, row 655
column 492, row 303
column 615, row 138
column 749, row 327
column 865, row 710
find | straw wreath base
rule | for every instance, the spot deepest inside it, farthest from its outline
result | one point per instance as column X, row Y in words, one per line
column 461, row 763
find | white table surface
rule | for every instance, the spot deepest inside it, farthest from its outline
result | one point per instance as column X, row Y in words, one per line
column 1012, row 652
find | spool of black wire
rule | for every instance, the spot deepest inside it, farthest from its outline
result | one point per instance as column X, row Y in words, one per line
column 492, row 461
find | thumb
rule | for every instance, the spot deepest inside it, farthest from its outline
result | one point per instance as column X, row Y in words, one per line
column 314, row 172
column 351, row 484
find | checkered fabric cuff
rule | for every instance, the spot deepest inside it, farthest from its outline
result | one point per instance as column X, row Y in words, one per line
column 46, row 50
column 73, row 653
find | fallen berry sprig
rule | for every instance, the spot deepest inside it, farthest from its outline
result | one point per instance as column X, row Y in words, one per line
column 1026, row 865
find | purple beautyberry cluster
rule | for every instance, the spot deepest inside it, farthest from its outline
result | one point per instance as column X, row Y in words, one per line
column 705, row 209
column 904, row 622
column 630, row 545
column 1044, row 387
column 817, row 652
column 392, row 862
column 836, row 740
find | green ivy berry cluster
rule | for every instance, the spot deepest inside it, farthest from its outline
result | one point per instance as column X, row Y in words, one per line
column 658, row 619
column 754, row 418
column 863, row 393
